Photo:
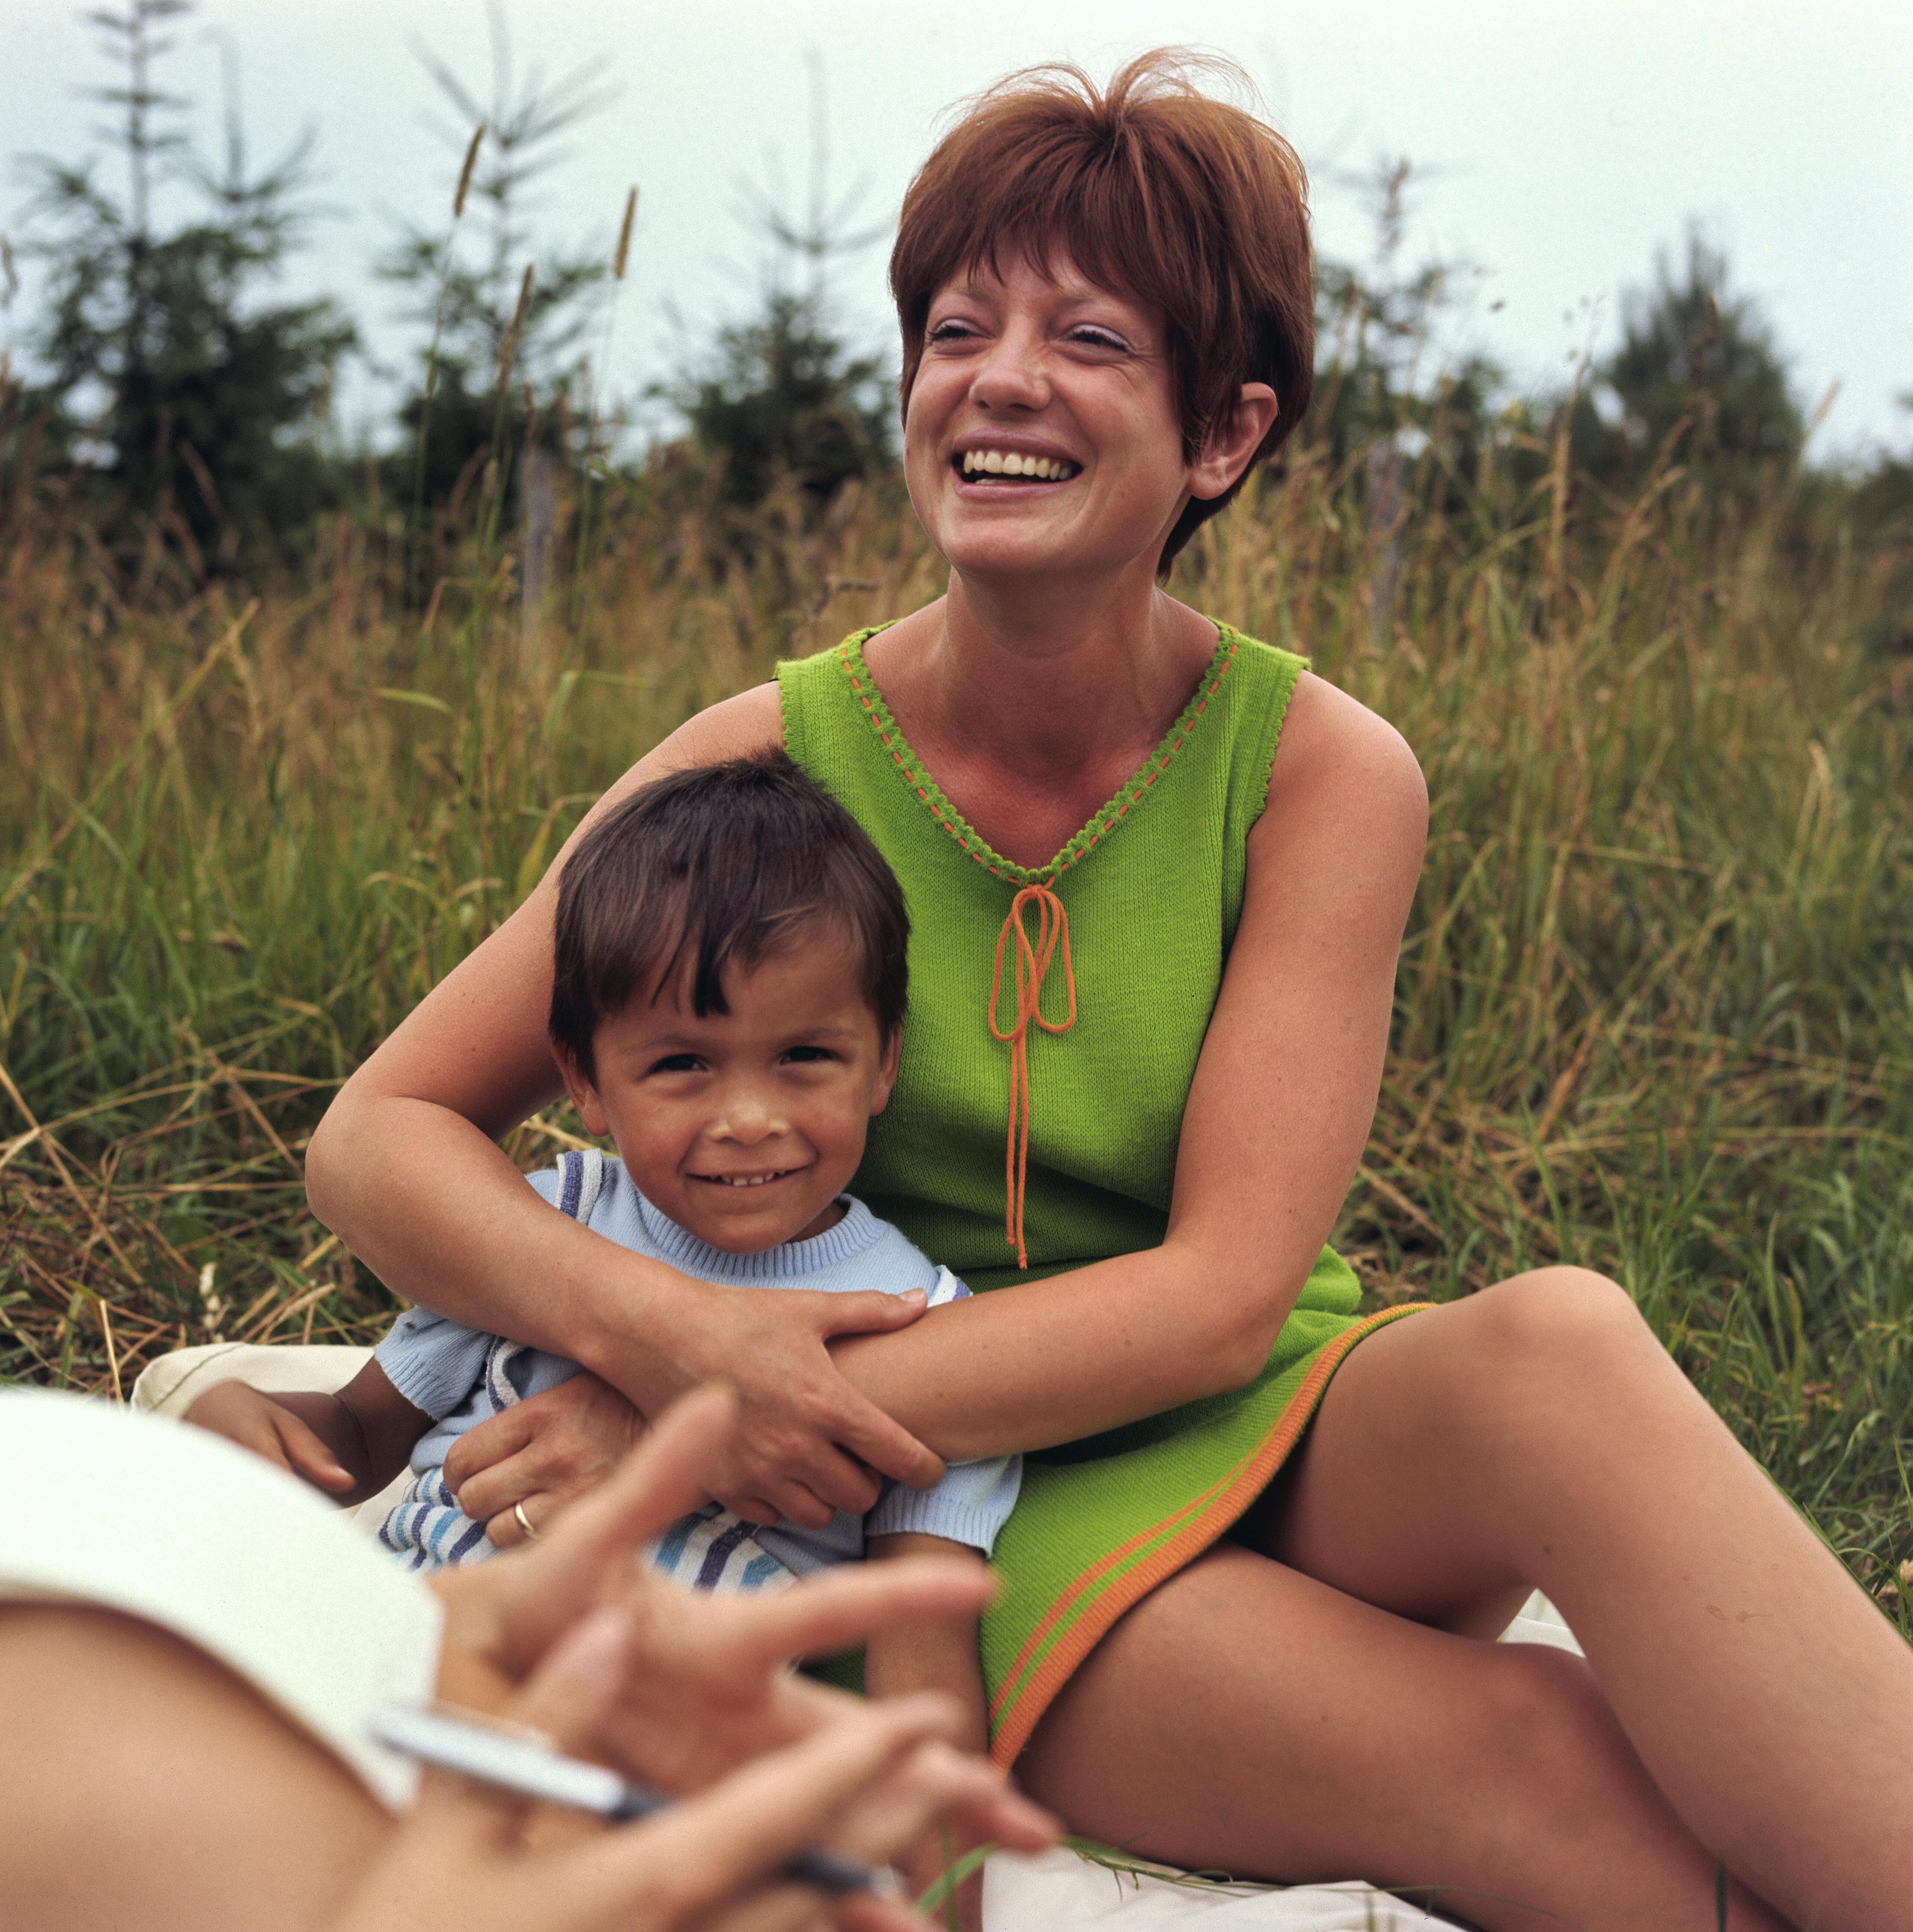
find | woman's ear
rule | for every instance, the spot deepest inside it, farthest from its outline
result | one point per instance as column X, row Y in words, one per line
column 1227, row 452
column 584, row 1095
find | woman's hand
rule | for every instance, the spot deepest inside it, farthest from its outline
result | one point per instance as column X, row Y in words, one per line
column 541, row 1454
column 469, row 1860
column 807, row 1442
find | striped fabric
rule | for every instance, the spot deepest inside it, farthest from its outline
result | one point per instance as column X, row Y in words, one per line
column 715, row 1550
column 427, row 1527
column 710, row 1550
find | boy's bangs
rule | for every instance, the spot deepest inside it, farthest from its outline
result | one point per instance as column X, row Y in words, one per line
column 705, row 949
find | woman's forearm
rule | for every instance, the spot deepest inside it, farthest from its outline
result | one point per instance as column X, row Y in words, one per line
column 471, row 1240
column 1028, row 1366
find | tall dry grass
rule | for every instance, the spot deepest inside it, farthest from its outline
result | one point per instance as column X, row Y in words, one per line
column 1655, row 1012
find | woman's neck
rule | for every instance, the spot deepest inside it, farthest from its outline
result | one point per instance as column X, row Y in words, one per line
column 1030, row 705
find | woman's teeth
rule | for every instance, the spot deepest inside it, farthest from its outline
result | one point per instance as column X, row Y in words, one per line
column 1009, row 463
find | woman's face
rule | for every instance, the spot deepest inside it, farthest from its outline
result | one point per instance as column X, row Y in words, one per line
column 1062, row 390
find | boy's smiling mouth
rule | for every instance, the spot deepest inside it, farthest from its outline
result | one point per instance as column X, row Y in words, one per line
column 747, row 1180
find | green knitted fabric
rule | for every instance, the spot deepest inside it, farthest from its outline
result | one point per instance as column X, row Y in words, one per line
column 1153, row 887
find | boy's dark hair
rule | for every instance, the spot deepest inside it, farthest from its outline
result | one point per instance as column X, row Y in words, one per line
column 718, row 866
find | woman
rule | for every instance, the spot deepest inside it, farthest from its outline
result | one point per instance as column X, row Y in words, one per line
column 187, row 1724
column 1189, row 866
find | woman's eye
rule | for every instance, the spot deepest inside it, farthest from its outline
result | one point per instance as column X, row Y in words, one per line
column 950, row 331
column 1097, row 338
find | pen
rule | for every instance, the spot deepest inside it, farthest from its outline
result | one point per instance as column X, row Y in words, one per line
column 516, row 1760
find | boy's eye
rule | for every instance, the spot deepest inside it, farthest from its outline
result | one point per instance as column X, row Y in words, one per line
column 806, row 1055
column 676, row 1063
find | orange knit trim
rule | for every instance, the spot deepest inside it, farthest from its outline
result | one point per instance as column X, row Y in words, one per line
column 1098, row 827
column 1195, row 1526
column 1032, row 959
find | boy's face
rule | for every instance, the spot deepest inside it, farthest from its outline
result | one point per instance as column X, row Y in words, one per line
column 744, row 1127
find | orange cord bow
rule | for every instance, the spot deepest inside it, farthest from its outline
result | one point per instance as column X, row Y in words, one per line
column 1032, row 965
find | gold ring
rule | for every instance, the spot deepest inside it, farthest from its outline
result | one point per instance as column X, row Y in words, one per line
column 524, row 1523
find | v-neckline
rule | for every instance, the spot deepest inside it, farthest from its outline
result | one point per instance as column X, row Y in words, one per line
column 1129, row 794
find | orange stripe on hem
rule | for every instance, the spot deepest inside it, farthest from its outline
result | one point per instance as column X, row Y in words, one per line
column 1250, row 1477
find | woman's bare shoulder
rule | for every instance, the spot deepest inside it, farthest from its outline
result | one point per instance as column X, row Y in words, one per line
column 1337, row 756
column 735, row 727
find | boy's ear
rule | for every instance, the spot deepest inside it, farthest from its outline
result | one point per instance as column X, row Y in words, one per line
column 886, row 1071
column 584, row 1095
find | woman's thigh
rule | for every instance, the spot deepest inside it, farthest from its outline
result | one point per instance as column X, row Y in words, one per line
column 1426, row 1481
column 143, row 1784
column 1247, row 1717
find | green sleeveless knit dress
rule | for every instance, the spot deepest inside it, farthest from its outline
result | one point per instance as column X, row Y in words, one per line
column 1152, row 888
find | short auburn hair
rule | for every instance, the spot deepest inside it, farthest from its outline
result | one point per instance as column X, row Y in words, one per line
column 712, row 868
column 1151, row 188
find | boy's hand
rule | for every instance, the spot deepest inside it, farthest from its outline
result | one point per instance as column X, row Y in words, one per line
column 255, row 1421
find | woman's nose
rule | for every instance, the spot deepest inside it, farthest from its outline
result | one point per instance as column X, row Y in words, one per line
column 1014, row 375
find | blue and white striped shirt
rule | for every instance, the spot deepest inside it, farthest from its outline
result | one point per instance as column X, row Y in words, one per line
column 461, row 1376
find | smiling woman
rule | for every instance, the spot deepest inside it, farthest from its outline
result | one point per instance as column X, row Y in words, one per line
column 1158, row 875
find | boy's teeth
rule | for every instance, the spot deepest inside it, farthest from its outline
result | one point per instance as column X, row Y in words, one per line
column 1010, row 463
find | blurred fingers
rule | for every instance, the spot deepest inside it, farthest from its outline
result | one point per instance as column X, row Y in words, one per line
column 707, row 1849
column 846, row 1605
column 937, row 1782
column 588, row 1552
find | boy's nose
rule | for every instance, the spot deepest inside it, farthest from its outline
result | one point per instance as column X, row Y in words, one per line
column 747, row 1118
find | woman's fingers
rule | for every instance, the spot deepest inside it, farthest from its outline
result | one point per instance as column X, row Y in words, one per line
column 564, row 1442
column 505, row 1530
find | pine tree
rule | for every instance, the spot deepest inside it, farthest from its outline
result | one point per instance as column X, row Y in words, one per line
column 194, row 405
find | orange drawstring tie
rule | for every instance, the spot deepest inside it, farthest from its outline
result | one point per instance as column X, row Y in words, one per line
column 1032, row 965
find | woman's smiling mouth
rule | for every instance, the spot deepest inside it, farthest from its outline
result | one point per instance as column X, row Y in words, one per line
column 1011, row 466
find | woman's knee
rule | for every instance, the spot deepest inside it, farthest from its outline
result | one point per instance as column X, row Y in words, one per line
column 1560, row 1326
column 1549, row 1739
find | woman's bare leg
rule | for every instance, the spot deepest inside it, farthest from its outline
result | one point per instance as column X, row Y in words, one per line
column 1533, row 1434
column 1246, row 1718
column 144, row 1785
column 1538, row 1433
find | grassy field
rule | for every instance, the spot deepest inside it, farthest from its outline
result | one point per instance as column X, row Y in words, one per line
column 1655, row 1011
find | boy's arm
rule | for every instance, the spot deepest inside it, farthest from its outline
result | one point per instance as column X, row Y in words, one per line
column 933, row 1657
column 350, row 1445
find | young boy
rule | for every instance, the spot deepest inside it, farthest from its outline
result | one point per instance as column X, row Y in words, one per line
column 727, row 1007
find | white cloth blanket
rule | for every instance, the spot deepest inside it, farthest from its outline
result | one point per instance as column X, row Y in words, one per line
column 1057, row 1892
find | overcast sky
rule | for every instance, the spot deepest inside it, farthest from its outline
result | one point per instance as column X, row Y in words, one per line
column 1555, row 147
